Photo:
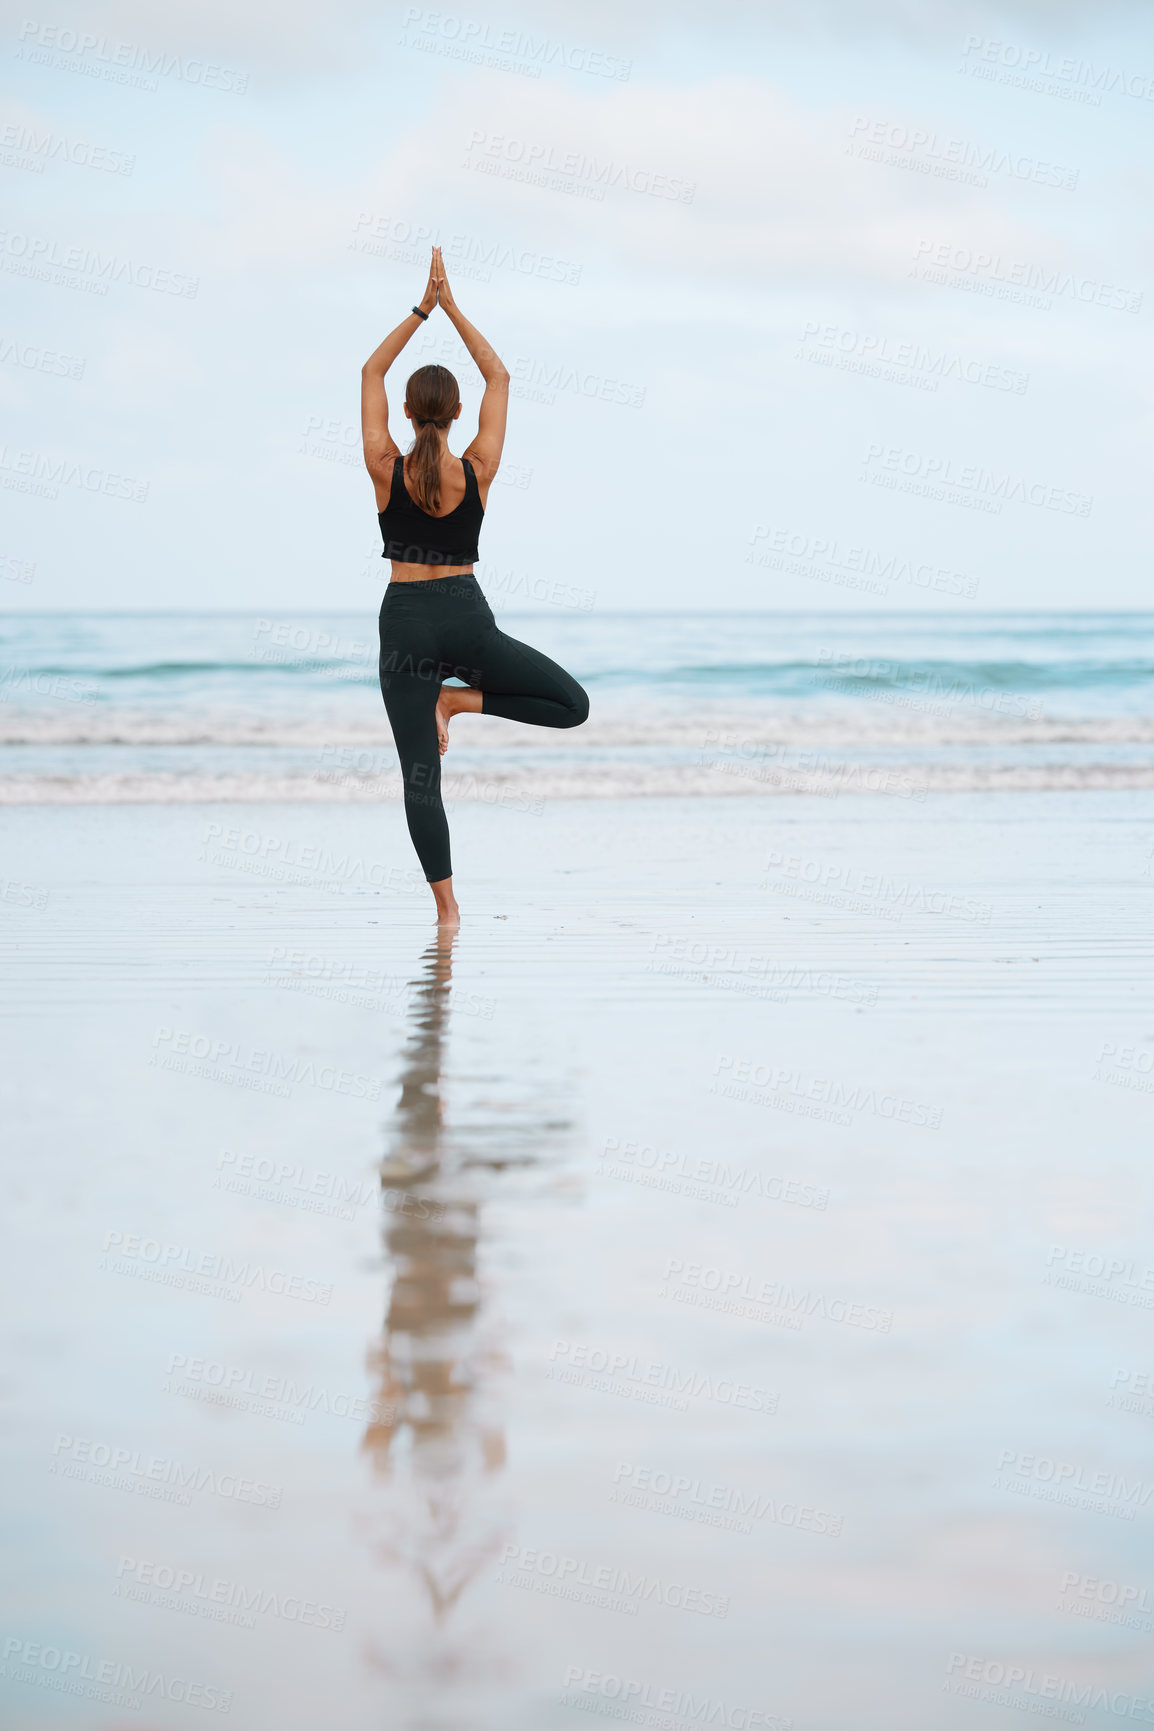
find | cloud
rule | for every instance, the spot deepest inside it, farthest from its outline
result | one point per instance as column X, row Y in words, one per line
column 730, row 187
column 770, row 193
column 295, row 41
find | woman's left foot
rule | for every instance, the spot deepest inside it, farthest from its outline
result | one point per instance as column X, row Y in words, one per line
column 448, row 913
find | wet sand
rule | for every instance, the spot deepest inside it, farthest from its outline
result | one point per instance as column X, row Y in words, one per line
column 711, row 1289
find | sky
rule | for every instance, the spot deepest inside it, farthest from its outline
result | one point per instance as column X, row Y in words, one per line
column 789, row 293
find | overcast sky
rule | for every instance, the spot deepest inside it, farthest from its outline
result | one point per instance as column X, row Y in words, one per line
column 787, row 292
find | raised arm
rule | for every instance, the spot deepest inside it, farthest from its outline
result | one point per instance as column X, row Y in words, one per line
column 485, row 451
column 379, row 445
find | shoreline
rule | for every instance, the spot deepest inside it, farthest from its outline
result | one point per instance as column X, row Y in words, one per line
column 909, row 783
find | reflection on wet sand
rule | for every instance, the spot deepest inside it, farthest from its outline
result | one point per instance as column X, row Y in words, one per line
column 437, row 1446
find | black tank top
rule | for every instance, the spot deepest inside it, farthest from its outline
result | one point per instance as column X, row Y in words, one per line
column 416, row 538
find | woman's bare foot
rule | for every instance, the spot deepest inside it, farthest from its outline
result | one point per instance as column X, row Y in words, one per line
column 444, row 714
column 448, row 913
column 452, row 700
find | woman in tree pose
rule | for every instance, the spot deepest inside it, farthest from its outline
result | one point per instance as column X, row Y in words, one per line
column 435, row 622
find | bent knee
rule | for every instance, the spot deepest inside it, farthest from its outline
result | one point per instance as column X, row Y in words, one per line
column 578, row 708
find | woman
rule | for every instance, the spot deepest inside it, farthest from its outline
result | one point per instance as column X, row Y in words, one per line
column 435, row 622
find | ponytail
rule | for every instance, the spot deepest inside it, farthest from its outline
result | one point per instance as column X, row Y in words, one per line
column 425, row 468
column 433, row 399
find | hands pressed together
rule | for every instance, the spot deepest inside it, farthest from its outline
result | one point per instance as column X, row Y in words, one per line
column 437, row 290
column 438, row 293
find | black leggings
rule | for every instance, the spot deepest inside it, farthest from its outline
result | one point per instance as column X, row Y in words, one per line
column 443, row 628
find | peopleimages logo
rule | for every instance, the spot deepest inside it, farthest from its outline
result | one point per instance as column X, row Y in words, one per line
column 889, row 898
column 1022, row 1686
column 732, row 1288
column 986, row 55
column 993, row 487
column 649, row 1375
column 852, row 567
column 295, row 1185
column 779, row 1082
column 230, row 1060
column 727, row 1506
column 1101, row 1275
column 741, row 970
column 36, row 148
column 468, row 255
column 36, row 255
column 154, row 1476
column 571, row 170
column 994, row 272
column 107, row 1680
column 639, row 1700
column 470, row 39
column 605, row 1584
column 153, row 1254
column 120, row 62
column 14, row 352
column 951, row 158
column 1072, row 1483
column 235, row 1384
column 1106, row 1600
column 285, row 861
column 870, row 675
column 42, row 472
column 189, row 1589
column 727, row 1182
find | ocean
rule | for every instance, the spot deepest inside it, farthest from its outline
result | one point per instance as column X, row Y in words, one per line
column 179, row 707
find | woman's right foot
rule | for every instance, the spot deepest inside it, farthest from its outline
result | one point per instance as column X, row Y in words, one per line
column 446, row 709
column 453, row 700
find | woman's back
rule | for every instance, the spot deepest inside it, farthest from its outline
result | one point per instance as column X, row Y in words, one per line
column 414, row 536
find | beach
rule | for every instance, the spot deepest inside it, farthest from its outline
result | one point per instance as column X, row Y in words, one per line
column 711, row 1288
